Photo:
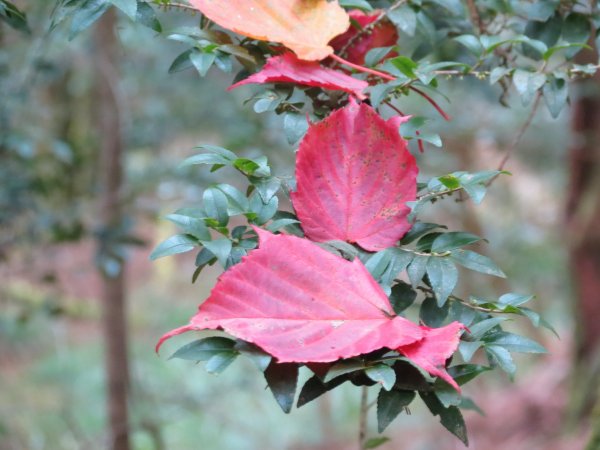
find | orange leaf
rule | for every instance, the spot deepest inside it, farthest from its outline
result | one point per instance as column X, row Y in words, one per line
column 304, row 26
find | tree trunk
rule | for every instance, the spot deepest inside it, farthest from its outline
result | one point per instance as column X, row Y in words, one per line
column 111, row 179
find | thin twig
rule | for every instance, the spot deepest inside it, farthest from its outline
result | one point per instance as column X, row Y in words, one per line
column 475, row 17
column 519, row 136
column 362, row 425
column 431, row 195
column 181, row 6
column 370, row 26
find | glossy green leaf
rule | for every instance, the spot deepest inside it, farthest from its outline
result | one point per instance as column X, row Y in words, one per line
column 382, row 374
column 190, row 225
column 282, row 380
column 443, row 276
column 216, row 205
column 179, row 243
column 453, row 240
column 451, row 417
column 390, row 404
column 221, row 248
column 204, row 349
column 476, row 262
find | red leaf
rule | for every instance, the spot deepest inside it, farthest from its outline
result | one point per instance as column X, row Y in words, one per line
column 304, row 26
column 383, row 35
column 354, row 175
column 288, row 68
column 301, row 303
column 434, row 349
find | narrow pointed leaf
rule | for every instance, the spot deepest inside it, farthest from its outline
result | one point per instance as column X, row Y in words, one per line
column 304, row 27
column 288, row 68
column 390, row 404
column 354, row 176
column 282, row 380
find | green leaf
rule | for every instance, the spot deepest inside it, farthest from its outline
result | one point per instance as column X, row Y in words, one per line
column 463, row 373
column 190, row 225
column 376, row 442
column 238, row 203
column 514, row 299
column 432, row 314
column 453, row 240
column 416, row 270
column 443, row 276
column 264, row 212
column 576, row 29
column 498, row 73
column 468, row 349
column 451, row 418
column 502, row 357
column 179, row 243
column 527, row 84
column 382, row 374
column 147, row 16
column 278, row 224
column 202, row 61
column 258, row 357
column 205, row 158
column 315, row 387
column 221, row 248
column 358, row 4
column 556, row 93
column 390, row 404
column 405, row 65
column 376, row 54
column 515, row 343
column 219, row 362
column 404, row 18
column 266, row 187
column 343, row 367
column 182, row 62
column 419, row 229
column 476, row 262
column 402, row 296
column 204, row 349
column 282, row 380
column 295, row 127
column 471, row 43
column 216, row 205
column 86, row 15
column 14, row 17
column 129, row 7
column 378, row 263
column 479, row 329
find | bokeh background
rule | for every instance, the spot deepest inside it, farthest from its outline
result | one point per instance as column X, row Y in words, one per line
column 52, row 375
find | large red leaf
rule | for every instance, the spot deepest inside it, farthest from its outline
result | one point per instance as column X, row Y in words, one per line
column 354, row 174
column 383, row 35
column 304, row 26
column 301, row 303
column 288, row 68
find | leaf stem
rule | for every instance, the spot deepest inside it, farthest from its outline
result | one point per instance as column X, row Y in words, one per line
column 431, row 101
column 360, row 68
column 362, row 424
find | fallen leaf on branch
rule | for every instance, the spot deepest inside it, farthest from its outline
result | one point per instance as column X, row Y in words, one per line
column 300, row 303
column 288, row 68
column 304, row 26
column 354, row 175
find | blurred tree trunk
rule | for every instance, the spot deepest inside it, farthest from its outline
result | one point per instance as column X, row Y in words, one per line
column 111, row 217
column 583, row 226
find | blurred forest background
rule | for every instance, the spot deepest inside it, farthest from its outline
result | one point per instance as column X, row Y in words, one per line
column 66, row 105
